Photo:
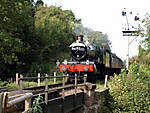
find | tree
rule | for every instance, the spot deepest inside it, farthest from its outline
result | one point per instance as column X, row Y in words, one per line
column 54, row 27
column 39, row 2
column 16, row 35
column 146, row 33
column 100, row 39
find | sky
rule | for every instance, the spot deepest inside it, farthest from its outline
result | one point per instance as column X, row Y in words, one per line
column 105, row 16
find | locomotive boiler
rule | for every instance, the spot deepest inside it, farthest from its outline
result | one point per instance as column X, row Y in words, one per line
column 82, row 51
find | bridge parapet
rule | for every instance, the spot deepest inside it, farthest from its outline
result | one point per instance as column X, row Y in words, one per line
column 94, row 100
column 67, row 98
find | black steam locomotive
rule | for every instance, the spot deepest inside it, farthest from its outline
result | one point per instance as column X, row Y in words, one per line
column 90, row 59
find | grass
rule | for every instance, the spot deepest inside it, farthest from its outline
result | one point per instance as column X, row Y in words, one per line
column 26, row 84
column 29, row 84
column 100, row 84
column 51, row 81
column 11, row 85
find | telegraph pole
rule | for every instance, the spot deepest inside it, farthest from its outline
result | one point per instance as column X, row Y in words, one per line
column 129, row 33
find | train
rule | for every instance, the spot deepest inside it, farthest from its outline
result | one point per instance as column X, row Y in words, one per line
column 91, row 59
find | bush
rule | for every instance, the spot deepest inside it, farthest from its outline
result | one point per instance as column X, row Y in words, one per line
column 131, row 93
column 3, row 83
column 36, row 107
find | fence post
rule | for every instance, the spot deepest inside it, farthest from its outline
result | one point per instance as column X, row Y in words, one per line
column 67, row 77
column 27, row 104
column 54, row 77
column 75, row 84
column 46, row 89
column 17, row 76
column 4, row 101
column 85, row 77
column 63, row 90
column 38, row 79
column 106, row 83
column 1, row 101
column 21, row 82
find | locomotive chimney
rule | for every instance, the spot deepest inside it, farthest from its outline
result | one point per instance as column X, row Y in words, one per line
column 80, row 38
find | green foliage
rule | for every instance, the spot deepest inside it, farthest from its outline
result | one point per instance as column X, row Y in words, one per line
column 100, row 39
column 141, row 51
column 134, row 68
column 54, row 28
column 145, row 32
column 39, row 2
column 99, row 84
column 16, row 36
column 130, row 92
column 32, row 36
column 93, row 36
column 26, row 84
column 36, row 108
column 3, row 83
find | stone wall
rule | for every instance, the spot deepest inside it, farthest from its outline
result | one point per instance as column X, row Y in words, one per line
column 97, row 99
column 94, row 101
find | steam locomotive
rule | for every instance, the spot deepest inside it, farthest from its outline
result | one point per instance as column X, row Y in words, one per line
column 91, row 59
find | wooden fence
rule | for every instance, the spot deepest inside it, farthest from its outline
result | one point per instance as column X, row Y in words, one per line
column 7, row 102
column 19, row 82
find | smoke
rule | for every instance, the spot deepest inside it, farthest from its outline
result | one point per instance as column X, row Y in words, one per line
column 79, row 29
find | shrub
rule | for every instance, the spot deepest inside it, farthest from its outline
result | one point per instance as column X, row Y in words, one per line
column 131, row 93
column 36, row 107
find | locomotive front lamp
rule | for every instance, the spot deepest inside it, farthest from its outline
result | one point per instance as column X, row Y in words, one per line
column 65, row 62
column 64, row 69
column 87, row 62
column 86, row 69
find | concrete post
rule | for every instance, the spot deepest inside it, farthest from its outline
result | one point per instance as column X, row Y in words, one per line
column 17, row 76
column 76, row 84
column 67, row 77
column 85, row 77
column 54, row 77
column 21, row 82
column 106, row 81
column 38, row 79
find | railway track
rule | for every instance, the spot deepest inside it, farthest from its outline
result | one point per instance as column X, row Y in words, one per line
column 54, row 90
column 3, row 89
column 51, row 88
